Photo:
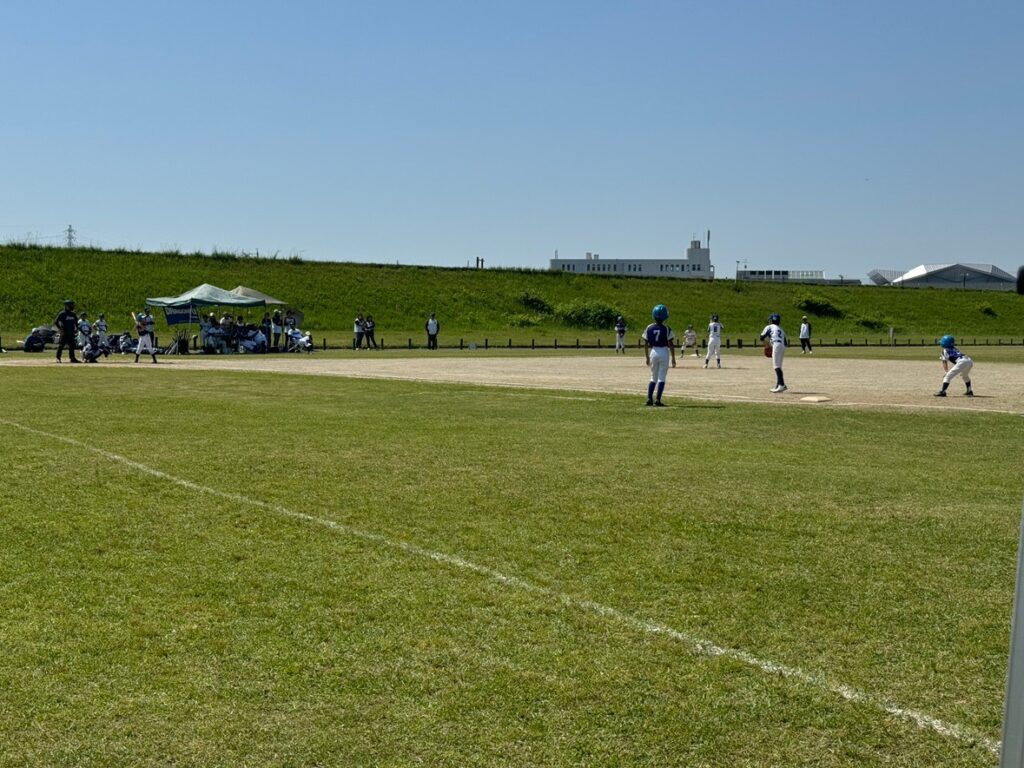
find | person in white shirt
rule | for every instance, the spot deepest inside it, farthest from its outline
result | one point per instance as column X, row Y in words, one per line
column 359, row 331
column 774, row 336
column 433, row 328
column 805, row 337
column 714, row 342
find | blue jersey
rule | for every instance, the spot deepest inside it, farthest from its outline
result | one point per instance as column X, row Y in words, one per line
column 620, row 329
column 952, row 354
column 658, row 335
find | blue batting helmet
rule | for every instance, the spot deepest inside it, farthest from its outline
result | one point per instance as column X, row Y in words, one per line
column 660, row 312
column 947, row 341
column 775, row 317
column 714, row 318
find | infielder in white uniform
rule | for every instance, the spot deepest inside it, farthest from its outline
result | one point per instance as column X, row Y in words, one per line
column 962, row 365
column 144, row 327
column 620, row 335
column 714, row 342
column 690, row 340
column 659, row 345
column 777, row 338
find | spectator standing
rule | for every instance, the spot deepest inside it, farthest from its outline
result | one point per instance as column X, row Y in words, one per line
column 805, row 337
column 433, row 327
column 369, row 328
column 359, row 331
column 276, row 327
column 265, row 327
column 67, row 326
column 144, row 324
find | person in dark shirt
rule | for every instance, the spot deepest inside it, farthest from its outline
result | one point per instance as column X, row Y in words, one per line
column 67, row 326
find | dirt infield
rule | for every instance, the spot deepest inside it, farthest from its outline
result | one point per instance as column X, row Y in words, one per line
column 838, row 382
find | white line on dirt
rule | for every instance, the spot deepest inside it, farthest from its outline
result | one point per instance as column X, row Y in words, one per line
column 698, row 645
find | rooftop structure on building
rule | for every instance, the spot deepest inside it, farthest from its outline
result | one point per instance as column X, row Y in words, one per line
column 977, row 277
column 696, row 264
column 815, row 276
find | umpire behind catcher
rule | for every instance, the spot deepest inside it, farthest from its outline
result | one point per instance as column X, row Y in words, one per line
column 67, row 325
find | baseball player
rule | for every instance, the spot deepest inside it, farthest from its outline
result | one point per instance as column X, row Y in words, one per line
column 67, row 324
column 84, row 329
column 659, row 344
column 690, row 340
column 962, row 365
column 714, row 342
column 775, row 336
column 101, row 328
column 144, row 327
column 620, row 335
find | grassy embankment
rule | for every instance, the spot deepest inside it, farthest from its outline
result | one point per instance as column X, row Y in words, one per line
column 477, row 304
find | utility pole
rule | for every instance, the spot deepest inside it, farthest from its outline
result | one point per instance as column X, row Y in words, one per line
column 70, row 234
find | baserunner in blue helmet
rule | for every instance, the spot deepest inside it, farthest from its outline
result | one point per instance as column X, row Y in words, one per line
column 962, row 365
column 659, row 346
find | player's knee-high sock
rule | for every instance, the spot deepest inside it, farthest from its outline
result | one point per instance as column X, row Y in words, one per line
column 945, row 386
column 661, row 388
column 650, row 390
column 778, row 377
column 968, row 383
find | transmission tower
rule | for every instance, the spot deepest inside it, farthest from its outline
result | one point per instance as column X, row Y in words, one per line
column 70, row 234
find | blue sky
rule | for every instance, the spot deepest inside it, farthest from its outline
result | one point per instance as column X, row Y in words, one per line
column 804, row 135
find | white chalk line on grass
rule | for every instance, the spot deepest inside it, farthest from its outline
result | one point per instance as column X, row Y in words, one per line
column 700, row 646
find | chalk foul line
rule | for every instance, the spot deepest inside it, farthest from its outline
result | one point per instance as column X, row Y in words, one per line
column 698, row 645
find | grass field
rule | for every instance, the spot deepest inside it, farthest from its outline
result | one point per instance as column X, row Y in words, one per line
column 217, row 568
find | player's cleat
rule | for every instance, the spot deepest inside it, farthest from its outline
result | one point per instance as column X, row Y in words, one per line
column 650, row 403
column 969, row 393
column 941, row 393
column 659, row 404
column 781, row 388
column 705, row 364
column 774, row 389
column 719, row 365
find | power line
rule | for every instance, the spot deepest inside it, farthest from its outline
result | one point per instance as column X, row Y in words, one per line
column 70, row 233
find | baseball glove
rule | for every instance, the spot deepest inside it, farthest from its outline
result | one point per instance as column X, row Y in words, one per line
column 767, row 350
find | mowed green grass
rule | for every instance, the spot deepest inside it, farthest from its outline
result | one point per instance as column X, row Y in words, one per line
column 149, row 622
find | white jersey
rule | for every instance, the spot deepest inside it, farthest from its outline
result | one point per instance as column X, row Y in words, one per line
column 84, row 328
column 689, row 337
column 715, row 331
column 775, row 334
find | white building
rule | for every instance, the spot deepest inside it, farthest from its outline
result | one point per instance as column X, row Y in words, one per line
column 978, row 277
column 695, row 265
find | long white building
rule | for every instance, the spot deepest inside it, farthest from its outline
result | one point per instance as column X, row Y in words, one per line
column 696, row 264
